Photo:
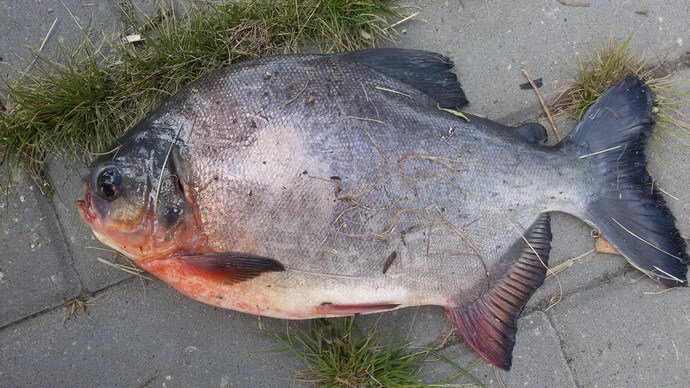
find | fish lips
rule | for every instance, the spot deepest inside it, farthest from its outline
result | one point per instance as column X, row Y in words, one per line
column 85, row 207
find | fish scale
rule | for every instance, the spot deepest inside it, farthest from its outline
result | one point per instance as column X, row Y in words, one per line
column 312, row 186
column 384, row 157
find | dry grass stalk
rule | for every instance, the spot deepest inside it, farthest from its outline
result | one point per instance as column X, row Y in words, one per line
column 543, row 105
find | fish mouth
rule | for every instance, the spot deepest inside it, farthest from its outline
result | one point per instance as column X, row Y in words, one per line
column 85, row 208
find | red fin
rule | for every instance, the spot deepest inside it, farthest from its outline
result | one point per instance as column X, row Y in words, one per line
column 351, row 309
column 489, row 324
column 230, row 267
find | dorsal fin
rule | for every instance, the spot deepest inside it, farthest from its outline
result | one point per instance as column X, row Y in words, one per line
column 426, row 71
column 489, row 324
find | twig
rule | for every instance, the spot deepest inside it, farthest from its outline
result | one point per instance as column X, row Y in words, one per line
column 566, row 264
column 651, row 245
column 40, row 49
column 543, row 105
column 165, row 161
column 132, row 271
column 454, row 113
column 658, row 292
column 498, row 376
column 667, row 193
column 362, row 118
column 290, row 101
column 573, row 4
column 599, row 152
column 401, row 21
column 392, row 91
column 72, row 15
column 86, row 36
column 548, row 270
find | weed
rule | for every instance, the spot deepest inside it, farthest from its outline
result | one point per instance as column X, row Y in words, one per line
column 78, row 106
column 76, row 308
column 346, row 357
column 611, row 64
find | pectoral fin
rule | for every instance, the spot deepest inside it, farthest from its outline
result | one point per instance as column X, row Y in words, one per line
column 230, row 267
column 489, row 324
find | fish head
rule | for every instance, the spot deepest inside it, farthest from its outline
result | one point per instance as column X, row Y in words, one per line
column 137, row 202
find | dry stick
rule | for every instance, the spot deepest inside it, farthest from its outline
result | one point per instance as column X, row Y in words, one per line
column 40, row 49
column 290, row 101
column 498, row 376
column 573, row 4
column 543, row 105
column 133, row 271
column 165, row 161
column 566, row 264
column 399, row 22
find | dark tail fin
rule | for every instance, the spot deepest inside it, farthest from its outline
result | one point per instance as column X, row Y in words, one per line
column 628, row 210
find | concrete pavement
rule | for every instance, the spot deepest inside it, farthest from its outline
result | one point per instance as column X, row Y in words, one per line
column 609, row 328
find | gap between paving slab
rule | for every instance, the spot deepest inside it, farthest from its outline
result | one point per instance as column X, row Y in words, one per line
column 136, row 336
column 623, row 334
column 35, row 267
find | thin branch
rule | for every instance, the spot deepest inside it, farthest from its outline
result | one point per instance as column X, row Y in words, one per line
column 543, row 105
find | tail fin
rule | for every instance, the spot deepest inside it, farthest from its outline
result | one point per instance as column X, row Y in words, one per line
column 629, row 211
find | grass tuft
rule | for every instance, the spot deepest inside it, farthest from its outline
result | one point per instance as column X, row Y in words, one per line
column 78, row 105
column 611, row 64
column 346, row 357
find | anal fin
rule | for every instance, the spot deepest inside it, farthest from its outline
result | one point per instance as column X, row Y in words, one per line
column 489, row 324
column 230, row 267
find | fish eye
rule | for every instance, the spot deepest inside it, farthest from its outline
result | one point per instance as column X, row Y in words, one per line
column 108, row 184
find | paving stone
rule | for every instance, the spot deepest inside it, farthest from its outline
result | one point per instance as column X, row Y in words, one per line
column 35, row 265
column 622, row 335
column 25, row 25
column 144, row 336
column 156, row 336
column 65, row 176
column 669, row 156
column 537, row 359
column 491, row 42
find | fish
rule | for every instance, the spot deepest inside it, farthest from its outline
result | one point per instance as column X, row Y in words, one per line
column 303, row 186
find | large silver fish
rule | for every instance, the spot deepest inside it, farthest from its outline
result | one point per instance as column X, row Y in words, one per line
column 315, row 186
